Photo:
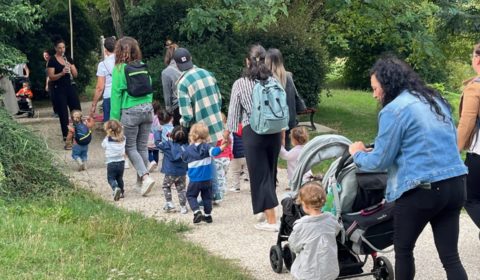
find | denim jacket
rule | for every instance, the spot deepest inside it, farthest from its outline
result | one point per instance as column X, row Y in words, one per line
column 414, row 144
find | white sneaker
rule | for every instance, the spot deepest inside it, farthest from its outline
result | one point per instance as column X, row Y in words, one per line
column 235, row 190
column 260, row 217
column 267, row 227
column 147, row 185
column 169, row 207
column 183, row 210
column 151, row 166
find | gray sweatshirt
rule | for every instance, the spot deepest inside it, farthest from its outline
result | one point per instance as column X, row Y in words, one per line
column 114, row 150
column 170, row 76
column 313, row 240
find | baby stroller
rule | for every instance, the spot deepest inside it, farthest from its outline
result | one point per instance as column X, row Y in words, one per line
column 367, row 221
column 23, row 107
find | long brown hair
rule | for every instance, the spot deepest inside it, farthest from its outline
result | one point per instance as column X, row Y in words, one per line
column 256, row 68
column 274, row 61
column 127, row 50
column 171, row 47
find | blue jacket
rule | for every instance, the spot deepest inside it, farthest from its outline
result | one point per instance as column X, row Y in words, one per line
column 172, row 163
column 199, row 159
column 414, row 144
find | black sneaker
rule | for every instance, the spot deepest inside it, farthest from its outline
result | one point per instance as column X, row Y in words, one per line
column 197, row 217
column 208, row 219
column 122, row 194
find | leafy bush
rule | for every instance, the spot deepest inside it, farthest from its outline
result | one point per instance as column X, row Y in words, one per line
column 27, row 165
column 85, row 40
column 153, row 22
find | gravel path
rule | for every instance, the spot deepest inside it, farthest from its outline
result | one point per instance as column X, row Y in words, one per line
column 232, row 234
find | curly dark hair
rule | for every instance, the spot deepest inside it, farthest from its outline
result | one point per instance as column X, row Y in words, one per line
column 395, row 76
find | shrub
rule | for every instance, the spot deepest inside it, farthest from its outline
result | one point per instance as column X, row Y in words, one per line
column 153, row 22
column 28, row 169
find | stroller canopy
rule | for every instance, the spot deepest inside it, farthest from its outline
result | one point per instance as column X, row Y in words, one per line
column 320, row 148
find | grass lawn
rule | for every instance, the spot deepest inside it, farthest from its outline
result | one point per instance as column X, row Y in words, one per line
column 77, row 236
column 353, row 114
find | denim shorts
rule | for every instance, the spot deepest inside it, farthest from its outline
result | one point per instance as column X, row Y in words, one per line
column 79, row 151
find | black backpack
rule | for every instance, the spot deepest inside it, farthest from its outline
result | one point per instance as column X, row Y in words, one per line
column 138, row 78
column 83, row 134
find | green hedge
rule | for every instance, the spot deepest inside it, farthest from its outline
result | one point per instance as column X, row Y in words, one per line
column 28, row 168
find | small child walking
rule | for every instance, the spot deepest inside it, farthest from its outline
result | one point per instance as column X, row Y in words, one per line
column 238, row 164
column 174, row 168
column 313, row 238
column 199, row 155
column 152, row 149
column 114, row 145
column 222, row 161
column 80, row 132
column 298, row 137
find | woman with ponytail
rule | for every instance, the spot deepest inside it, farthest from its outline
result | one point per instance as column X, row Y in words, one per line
column 261, row 151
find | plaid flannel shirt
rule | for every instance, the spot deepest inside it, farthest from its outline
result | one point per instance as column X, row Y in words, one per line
column 199, row 100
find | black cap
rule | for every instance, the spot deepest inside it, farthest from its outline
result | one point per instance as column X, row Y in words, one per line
column 183, row 58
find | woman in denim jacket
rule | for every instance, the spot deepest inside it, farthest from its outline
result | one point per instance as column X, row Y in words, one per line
column 416, row 144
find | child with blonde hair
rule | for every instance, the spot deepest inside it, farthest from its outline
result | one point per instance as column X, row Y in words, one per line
column 198, row 155
column 313, row 238
column 25, row 92
column 114, row 145
column 298, row 137
column 80, row 132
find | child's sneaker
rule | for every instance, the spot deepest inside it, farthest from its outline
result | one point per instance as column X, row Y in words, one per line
column 116, row 194
column 235, row 190
column 197, row 217
column 151, row 166
column 79, row 163
column 208, row 219
column 183, row 210
column 169, row 207
column 147, row 185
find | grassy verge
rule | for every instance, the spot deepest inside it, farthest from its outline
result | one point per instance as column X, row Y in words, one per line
column 77, row 236
column 51, row 230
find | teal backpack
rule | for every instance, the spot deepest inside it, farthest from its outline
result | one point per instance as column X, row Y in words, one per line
column 269, row 107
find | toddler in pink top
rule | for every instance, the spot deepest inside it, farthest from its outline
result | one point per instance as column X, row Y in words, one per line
column 298, row 137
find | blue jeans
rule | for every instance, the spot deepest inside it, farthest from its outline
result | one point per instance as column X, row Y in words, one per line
column 79, row 151
column 115, row 174
column 137, row 122
column 106, row 109
column 205, row 190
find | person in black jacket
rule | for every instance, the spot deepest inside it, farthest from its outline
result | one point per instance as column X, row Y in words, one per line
column 274, row 61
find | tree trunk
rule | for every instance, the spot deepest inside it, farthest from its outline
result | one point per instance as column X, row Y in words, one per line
column 117, row 8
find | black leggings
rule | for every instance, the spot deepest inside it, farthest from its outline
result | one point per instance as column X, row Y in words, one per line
column 473, row 187
column 65, row 95
column 440, row 206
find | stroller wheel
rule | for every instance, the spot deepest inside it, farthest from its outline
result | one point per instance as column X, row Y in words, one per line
column 383, row 269
column 288, row 256
column 276, row 260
